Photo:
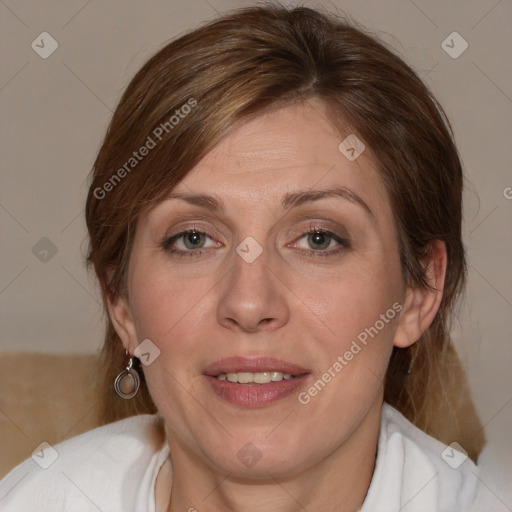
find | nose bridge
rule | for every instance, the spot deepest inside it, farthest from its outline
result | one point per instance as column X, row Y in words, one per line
column 249, row 276
column 250, row 264
column 252, row 296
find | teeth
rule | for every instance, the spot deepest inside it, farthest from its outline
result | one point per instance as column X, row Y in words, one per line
column 254, row 378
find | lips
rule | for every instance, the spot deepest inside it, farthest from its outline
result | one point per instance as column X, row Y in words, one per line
column 253, row 365
column 253, row 395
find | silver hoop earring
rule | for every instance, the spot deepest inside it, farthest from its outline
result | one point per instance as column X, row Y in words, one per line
column 129, row 373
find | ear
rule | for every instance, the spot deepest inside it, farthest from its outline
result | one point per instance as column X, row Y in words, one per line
column 120, row 314
column 421, row 305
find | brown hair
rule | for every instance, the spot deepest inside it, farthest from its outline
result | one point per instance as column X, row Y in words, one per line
column 239, row 66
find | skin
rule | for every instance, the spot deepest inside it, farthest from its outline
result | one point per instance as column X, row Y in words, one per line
column 287, row 304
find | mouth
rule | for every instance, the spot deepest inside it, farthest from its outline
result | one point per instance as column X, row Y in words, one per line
column 256, row 381
column 255, row 378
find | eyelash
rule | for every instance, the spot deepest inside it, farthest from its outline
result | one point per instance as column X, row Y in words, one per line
column 313, row 229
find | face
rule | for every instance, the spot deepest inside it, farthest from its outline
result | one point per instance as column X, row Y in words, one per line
column 276, row 255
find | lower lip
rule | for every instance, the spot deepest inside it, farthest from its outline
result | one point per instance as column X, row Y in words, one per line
column 255, row 395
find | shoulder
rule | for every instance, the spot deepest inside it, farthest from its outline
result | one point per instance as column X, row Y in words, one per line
column 102, row 468
column 416, row 473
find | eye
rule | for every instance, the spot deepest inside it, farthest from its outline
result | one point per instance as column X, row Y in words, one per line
column 191, row 240
column 321, row 242
column 317, row 241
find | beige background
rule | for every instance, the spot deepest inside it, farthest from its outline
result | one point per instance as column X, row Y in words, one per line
column 55, row 111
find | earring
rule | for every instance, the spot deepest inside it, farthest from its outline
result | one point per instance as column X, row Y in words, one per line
column 127, row 375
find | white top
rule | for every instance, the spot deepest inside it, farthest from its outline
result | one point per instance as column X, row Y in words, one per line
column 114, row 468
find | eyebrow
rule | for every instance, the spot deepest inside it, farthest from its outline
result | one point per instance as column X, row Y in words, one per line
column 290, row 200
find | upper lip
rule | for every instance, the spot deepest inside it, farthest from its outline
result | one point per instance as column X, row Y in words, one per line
column 253, row 364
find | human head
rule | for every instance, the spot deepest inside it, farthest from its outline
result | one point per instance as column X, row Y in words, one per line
column 240, row 66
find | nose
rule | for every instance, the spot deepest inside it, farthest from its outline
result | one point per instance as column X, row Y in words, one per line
column 253, row 297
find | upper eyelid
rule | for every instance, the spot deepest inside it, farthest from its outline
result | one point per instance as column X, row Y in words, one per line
column 200, row 221
column 196, row 226
column 204, row 231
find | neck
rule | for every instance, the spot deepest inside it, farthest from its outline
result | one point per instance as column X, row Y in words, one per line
column 337, row 483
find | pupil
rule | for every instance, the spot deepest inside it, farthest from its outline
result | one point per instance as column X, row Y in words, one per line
column 319, row 239
column 194, row 238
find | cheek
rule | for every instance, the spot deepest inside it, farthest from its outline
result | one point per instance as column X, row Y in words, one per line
column 358, row 318
column 169, row 311
column 348, row 304
column 172, row 316
column 163, row 303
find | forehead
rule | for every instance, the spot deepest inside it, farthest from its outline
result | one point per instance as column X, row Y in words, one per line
column 275, row 162
column 292, row 148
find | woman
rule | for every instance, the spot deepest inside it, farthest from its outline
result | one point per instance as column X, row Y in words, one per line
column 275, row 222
